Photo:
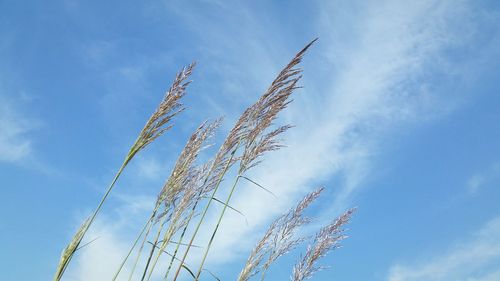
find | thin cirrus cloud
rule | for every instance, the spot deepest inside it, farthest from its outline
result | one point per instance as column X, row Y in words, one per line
column 373, row 94
column 383, row 81
column 15, row 145
column 481, row 179
column 471, row 259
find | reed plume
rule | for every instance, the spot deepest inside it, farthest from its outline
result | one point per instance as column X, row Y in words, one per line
column 326, row 240
column 257, row 119
column 185, row 176
column 279, row 238
column 156, row 125
column 190, row 183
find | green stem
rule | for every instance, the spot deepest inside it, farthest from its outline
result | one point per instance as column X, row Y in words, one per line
column 263, row 275
column 131, row 249
column 228, row 164
column 217, row 226
column 166, row 240
column 177, row 248
column 154, row 245
column 143, row 243
column 92, row 218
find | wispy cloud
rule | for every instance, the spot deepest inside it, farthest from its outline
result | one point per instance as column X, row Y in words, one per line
column 150, row 168
column 477, row 181
column 471, row 259
column 381, row 86
column 15, row 143
column 366, row 88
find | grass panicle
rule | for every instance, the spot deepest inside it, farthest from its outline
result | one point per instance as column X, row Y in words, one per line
column 255, row 121
column 326, row 240
column 187, row 195
column 279, row 238
column 69, row 251
column 157, row 124
column 183, row 178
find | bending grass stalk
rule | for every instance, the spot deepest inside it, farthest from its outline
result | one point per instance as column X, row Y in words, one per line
column 154, row 128
column 179, row 242
column 147, row 226
column 139, row 252
column 77, row 239
column 166, row 240
column 160, row 228
column 131, row 249
column 263, row 275
column 217, row 227
column 184, row 230
column 205, row 211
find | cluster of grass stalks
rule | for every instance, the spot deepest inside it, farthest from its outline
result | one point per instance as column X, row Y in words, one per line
column 193, row 187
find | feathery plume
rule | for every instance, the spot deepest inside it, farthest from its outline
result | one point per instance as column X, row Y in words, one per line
column 326, row 240
column 181, row 179
column 254, row 122
column 69, row 251
column 156, row 125
column 169, row 107
column 184, row 170
column 261, row 115
column 279, row 238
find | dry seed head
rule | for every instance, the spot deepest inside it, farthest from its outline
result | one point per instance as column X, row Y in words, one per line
column 279, row 238
column 261, row 249
column 284, row 240
column 255, row 150
column 184, row 172
column 68, row 252
column 327, row 239
column 169, row 107
column 260, row 116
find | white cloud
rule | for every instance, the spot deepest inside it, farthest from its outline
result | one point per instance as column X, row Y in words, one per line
column 15, row 144
column 149, row 168
column 477, row 181
column 473, row 259
column 381, row 82
column 381, row 86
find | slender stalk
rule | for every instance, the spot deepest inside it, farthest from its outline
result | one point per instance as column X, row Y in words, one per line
column 184, row 230
column 154, row 246
column 131, row 249
column 263, row 275
column 219, row 180
column 176, row 249
column 166, row 241
column 143, row 243
column 73, row 246
column 217, row 226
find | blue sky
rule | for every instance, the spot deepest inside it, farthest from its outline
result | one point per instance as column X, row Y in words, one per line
column 399, row 116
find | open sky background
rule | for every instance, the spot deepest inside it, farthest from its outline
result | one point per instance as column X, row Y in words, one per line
column 399, row 116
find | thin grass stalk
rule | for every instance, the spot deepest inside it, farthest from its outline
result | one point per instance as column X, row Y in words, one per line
column 131, row 250
column 217, row 227
column 160, row 228
column 166, row 240
column 219, row 180
column 174, row 185
column 176, row 222
column 178, row 213
column 190, row 216
column 139, row 252
column 77, row 239
column 155, row 126
column 175, row 252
